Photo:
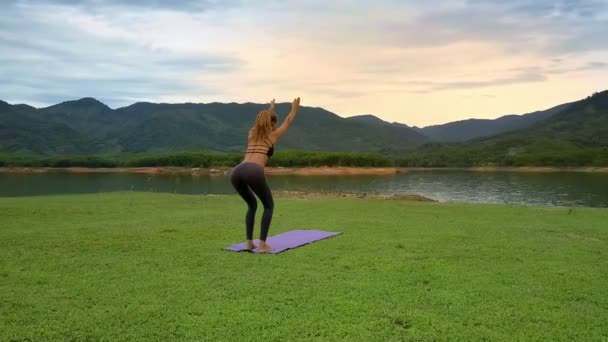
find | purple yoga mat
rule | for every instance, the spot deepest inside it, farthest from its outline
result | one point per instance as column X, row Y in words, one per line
column 288, row 240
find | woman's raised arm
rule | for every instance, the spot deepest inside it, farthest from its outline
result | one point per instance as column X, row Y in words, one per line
column 295, row 105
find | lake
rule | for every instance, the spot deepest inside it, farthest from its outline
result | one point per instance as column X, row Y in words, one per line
column 551, row 188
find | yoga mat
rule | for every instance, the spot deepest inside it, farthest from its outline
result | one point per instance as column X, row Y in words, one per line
column 288, row 240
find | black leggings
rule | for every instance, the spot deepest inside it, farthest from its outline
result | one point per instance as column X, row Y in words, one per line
column 246, row 177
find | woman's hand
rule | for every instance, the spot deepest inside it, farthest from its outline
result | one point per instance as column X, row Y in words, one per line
column 295, row 105
column 271, row 108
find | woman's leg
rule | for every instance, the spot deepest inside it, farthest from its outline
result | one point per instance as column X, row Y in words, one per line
column 261, row 189
column 241, row 187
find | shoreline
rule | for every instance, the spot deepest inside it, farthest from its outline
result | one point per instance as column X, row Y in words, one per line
column 534, row 169
column 329, row 194
column 296, row 171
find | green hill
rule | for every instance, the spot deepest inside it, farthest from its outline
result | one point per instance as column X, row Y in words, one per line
column 571, row 134
column 577, row 135
column 223, row 127
column 22, row 131
column 89, row 126
column 389, row 129
column 464, row 130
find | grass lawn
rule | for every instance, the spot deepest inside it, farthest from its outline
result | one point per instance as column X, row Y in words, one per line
column 150, row 266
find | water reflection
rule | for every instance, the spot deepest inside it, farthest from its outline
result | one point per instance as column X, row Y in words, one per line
column 564, row 189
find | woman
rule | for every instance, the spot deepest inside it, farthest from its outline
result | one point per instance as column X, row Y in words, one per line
column 248, row 177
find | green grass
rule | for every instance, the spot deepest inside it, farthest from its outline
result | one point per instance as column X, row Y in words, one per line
column 149, row 266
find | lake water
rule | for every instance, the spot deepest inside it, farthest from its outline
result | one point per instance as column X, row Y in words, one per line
column 558, row 188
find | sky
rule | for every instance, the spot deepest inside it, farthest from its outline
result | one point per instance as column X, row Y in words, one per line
column 414, row 62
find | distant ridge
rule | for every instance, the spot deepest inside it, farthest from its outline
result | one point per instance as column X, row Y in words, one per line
column 573, row 136
column 475, row 128
column 89, row 126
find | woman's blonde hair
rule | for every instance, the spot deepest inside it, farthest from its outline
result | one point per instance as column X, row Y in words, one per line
column 263, row 125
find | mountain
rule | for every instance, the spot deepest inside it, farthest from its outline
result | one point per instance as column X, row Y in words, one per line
column 89, row 126
column 576, row 135
column 21, row 131
column 369, row 119
column 4, row 106
column 87, row 115
column 583, row 123
column 389, row 129
column 223, row 127
column 475, row 128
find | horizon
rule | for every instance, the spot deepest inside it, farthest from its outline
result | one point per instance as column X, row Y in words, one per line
column 415, row 64
column 287, row 103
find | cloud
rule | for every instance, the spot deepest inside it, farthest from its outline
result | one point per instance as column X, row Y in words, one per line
column 424, row 87
column 543, row 8
column 50, row 59
column 560, row 67
column 520, row 75
column 355, row 55
column 542, row 27
column 175, row 5
column 595, row 65
column 521, row 78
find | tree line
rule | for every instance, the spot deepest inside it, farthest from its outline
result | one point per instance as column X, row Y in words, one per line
column 431, row 156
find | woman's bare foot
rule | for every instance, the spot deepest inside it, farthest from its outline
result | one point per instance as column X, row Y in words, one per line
column 264, row 247
column 249, row 245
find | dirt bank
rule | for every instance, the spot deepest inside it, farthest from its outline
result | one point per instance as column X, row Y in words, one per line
column 296, row 171
column 307, row 194
column 305, row 171
column 338, row 170
column 538, row 169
